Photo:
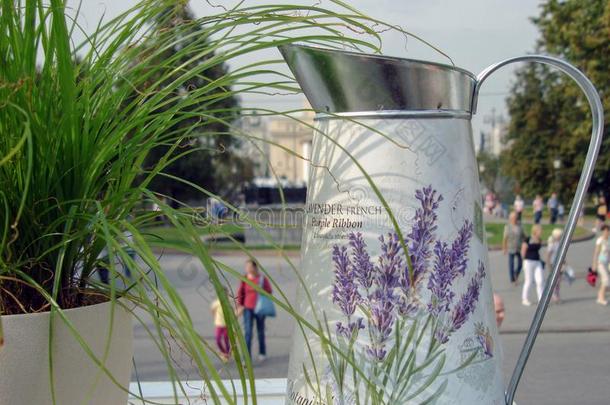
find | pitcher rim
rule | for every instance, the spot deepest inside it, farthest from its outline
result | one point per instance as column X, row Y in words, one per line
column 383, row 57
column 339, row 81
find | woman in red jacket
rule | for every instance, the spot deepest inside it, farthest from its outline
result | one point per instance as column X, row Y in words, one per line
column 246, row 300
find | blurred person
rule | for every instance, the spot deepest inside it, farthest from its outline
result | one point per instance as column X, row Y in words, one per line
column 504, row 210
column 552, row 249
column 532, row 265
column 561, row 212
column 538, row 206
column 601, row 257
column 499, row 210
column 246, row 300
column 601, row 211
column 499, row 307
column 490, row 202
column 553, row 205
column 217, row 209
column 220, row 326
column 518, row 205
column 511, row 245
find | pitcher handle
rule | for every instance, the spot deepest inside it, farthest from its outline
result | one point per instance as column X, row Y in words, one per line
column 596, row 139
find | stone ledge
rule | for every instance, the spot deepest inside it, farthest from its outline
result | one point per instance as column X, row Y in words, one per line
column 270, row 391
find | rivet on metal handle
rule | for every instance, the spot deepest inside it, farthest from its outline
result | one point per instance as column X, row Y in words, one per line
column 596, row 139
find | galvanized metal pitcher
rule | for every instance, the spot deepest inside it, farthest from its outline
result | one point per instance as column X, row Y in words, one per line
column 394, row 257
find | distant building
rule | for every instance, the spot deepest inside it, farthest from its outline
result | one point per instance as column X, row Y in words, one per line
column 280, row 143
column 252, row 132
column 497, row 141
column 493, row 141
column 280, row 147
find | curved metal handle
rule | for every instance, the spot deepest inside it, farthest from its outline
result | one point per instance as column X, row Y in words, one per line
column 596, row 139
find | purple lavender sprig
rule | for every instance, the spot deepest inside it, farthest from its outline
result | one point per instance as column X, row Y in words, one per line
column 464, row 307
column 381, row 323
column 408, row 307
column 345, row 292
column 459, row 248
column 384, row 300
column 421, row 236
column 450, row 262
column 440, row 280
column 350, row 329
column 385, row 290
column 387, row 272
column 467, row 303
column 363, row 267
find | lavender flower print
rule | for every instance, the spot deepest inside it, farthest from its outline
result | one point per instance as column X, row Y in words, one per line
column 387, row 292
column 387, row 272
column 450, row 262
column 363, row 267
column 384, row 299
column 345, row 293
column 350, row 330
column 464, row 307
column 380, row 323
column 422, row 234
column 467, row 303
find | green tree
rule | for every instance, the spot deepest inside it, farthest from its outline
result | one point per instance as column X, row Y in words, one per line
column 206, row 154
column 550, row 118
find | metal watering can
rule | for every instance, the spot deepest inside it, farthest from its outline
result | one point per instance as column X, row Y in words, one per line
column 394, row 258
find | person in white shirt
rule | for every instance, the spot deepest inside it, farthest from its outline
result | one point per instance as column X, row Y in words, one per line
column 601, row 257
column 519, row 204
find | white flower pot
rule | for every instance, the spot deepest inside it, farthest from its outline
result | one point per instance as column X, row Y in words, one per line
column 24, row 359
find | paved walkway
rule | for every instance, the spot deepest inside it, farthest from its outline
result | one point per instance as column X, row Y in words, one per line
column 570, row 363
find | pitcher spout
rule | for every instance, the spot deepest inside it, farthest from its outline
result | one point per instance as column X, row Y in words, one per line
column 338, row 82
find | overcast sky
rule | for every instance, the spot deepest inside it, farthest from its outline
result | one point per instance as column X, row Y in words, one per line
column 475, row 33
